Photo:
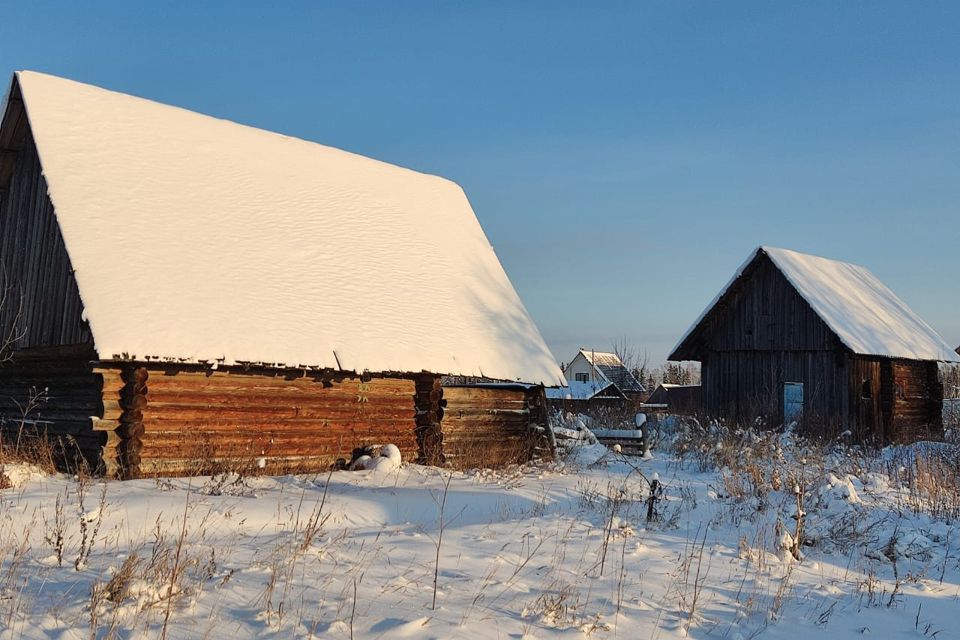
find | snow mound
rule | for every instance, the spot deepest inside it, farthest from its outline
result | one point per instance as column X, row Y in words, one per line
column 16, row 474
column 388, row 458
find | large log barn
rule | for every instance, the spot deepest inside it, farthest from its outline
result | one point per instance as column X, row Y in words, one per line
column 183, row 293
column 824, row 344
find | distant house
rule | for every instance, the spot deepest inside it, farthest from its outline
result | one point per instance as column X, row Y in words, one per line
column 602, row 366
column 678, row 399
column 798, row 338
column 192, row 293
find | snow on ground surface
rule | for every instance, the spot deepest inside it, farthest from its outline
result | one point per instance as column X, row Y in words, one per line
column 201, row 239
column 556, row 551
column 867, row 316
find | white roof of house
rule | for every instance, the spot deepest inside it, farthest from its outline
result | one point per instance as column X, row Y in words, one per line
column 578, row 390
column 601, row 357
column 865, row 315
column 202, row 239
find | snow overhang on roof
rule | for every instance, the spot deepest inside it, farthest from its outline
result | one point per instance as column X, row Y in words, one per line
column 201, row 239
column 866, row 316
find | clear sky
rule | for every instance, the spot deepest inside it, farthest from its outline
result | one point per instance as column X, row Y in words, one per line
column 623, row 158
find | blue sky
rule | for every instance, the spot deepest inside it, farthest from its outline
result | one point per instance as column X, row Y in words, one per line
column 623, row 158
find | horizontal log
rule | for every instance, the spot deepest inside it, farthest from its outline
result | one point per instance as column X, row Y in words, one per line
column 510, row 443
column 100, row 424
column 485, row 403
column 492, row 425
column 305, row 426
column 20, row 386
column 268, row 402
column 474, row 393
column 79, row 425
column 187, row 423
column 344, row 442
column 154, row 452
column 466, row 413
column 193, row 397
column 228, row 381
column 133, row 403
column 45, row 370
column 279, row 413
column 48, row 417
column 329, row 437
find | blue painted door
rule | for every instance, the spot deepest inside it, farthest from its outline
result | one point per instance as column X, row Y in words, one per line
column 792, row 402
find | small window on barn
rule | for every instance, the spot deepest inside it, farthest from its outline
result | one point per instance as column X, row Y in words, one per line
column 898, row 389
column 583, row 377
column 866, row 390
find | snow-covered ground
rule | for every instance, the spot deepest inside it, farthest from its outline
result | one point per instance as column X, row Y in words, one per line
column 562, row 550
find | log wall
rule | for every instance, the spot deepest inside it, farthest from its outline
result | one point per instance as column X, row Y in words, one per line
column 917, row 402
column 53, row 394
column 130, row 420
column 492, row 426
column 175, row 422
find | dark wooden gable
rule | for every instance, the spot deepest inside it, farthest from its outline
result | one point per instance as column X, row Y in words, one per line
column 760, row 311
column 39, row 300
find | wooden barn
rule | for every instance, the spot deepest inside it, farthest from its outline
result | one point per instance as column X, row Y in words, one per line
column 799, row 338
column 182, row 293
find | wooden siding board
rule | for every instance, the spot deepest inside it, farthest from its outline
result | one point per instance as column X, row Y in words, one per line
column 42, row 306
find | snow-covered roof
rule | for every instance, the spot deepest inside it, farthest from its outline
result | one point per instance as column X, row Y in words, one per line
column 601, row 357
column 580, row 390
column 867, row 317
column 611, row 368
column 201, row 239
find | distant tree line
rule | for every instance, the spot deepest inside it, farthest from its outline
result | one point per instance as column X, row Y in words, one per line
column 668, row 373
column 638, row 363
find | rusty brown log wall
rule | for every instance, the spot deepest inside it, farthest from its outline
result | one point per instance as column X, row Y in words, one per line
column 175, row 422
column 917, row 406
column 131, row 420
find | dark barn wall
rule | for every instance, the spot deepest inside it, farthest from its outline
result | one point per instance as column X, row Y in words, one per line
column 763, row 335
column 52, row 393
column 741, row 386
column 685, row 400
column 47, row 383
column 870, row 393
column 41, row 302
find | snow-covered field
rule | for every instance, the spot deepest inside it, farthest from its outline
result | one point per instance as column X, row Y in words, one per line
column 562, row 550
